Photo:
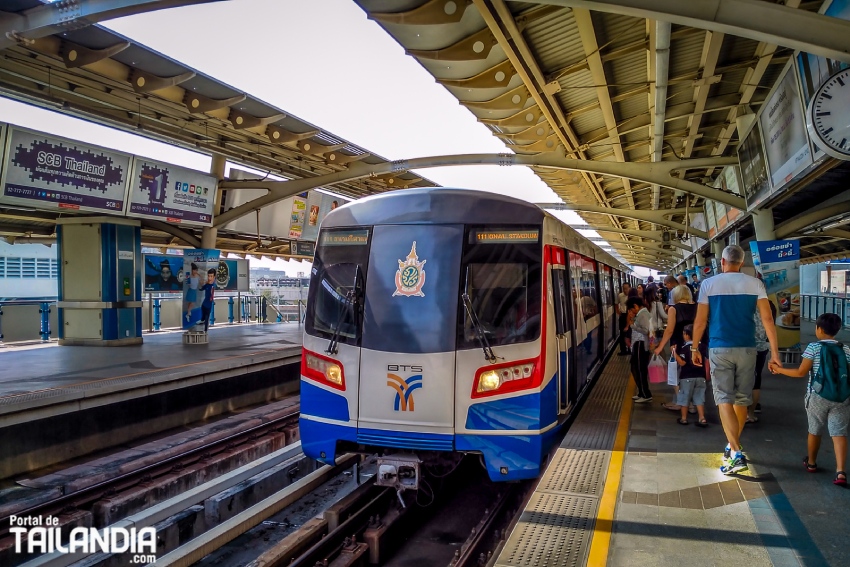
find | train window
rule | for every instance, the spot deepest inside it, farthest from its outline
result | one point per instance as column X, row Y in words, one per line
column 589, row 305
column 339, row 268
column 503, row 280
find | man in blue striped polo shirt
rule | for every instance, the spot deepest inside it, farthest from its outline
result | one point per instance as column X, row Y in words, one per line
column 727, row 304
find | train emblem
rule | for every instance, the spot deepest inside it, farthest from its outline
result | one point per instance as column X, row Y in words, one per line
column 410, row 276
column 404, row 390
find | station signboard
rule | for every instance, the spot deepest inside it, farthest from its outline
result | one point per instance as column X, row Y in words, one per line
column 171, row 193
column 52, row 173
column 783, row 124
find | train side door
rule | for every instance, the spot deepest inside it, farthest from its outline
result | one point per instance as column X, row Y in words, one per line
column 560, row 294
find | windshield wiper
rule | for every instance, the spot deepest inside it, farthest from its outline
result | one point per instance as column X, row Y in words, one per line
column 348, row 304
column 479, row 330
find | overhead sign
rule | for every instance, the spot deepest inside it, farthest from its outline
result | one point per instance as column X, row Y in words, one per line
column 778, row 265
column 171, row 193
column 783, row 125
column 47, row 172
column 756, row 182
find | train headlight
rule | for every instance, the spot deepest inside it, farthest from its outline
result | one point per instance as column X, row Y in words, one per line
column 489, row 381
column 322, row 369
column 506, row 378
column 334, row 373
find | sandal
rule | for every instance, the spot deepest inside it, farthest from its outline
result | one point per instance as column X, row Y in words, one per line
column 752, row 419
column 702, row 423
column 813, row 467
column 840, row 481
column 671, row 407
column 681, row 421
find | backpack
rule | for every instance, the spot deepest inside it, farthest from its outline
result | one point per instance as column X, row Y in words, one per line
column 831, row 381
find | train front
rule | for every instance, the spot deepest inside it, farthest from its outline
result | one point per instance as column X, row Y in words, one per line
column 423, row 340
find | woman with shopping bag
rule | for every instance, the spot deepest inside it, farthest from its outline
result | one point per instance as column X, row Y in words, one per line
column 638, row 323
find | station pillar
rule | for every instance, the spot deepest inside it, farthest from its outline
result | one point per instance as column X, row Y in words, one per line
column 763, row 225
column 100, row 281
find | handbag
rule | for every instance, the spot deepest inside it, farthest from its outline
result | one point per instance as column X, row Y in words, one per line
column 657, row 370
column 672, row 372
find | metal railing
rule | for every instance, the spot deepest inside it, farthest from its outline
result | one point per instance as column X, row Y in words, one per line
column 812, row 306
column 37, row 320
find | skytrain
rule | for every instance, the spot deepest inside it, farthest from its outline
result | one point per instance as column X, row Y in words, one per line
column 442, row 322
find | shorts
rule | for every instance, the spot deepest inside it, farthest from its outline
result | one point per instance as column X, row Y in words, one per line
column 691, row 389
column 733, row 375
column 825, row 415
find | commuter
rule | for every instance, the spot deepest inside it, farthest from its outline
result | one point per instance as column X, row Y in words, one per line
column 639, row 321
column 209, row 296
column 726, row 306
column 683, row 280
column 695, row 286
column 823, row 359
column 691, row 378
column 683, row 312
column 622, row 317
column 640, row 290
column 669, row 284
column 762, row 348
column 651, row 286
column 658, row 318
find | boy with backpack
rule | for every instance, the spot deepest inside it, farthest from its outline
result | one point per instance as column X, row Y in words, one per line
column 827, row 393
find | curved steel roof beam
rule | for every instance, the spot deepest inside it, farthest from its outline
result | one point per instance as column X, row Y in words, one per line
column 660, row 173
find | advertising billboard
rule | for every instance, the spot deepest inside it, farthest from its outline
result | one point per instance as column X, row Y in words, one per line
column 783, row 124
column 52, row 173
column 778, row 265
column 756, row 182
column 163, row 273
column 171, row 193
column 201, row 269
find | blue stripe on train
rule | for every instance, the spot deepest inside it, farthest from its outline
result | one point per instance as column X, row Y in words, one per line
column 318, row 440
column 520, row 412
column 405, row 439
column 322, row 403
column 520, row 455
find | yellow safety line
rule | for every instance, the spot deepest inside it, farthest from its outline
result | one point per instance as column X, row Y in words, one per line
column 598, row 556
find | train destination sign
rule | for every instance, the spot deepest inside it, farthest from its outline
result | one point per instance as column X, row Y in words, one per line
column 171, row 193
column 506, row 236
column 345, row 238
column 47, row 172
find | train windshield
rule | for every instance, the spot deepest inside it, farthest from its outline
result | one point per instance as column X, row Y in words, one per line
column 502, row 275
column 411, row 288
column 336, row 285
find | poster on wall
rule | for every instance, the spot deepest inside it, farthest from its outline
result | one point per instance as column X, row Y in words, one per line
column 163, row 273
column 318, row 206
column 777, row 264
column 51, row 173
column 170, row 193
column 783, row 123
column 756, row 182
column 298, row 216
column 201, row 269
column 232, row 275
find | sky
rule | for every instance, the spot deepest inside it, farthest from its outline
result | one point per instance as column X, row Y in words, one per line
column 324, row 62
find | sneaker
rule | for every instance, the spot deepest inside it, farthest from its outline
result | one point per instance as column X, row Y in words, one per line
column 643, row 400
column 635, row 397
column 727, row 452
column 735, row 464
column 758, row 409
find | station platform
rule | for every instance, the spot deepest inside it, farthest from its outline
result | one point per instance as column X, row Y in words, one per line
column 630, row 486
column 62, row 402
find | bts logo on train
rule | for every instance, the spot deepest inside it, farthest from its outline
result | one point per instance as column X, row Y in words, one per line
column 404, row 387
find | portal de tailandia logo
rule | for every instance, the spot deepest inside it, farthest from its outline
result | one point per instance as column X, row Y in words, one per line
column 37, row 534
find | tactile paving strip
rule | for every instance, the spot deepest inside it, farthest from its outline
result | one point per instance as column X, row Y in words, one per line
column 557, row 525
column 575, row 472
column 552, row 532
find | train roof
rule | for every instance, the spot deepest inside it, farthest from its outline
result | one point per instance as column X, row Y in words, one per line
column 451, row 206
column 415, row 206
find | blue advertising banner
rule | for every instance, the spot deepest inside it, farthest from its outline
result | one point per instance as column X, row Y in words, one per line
column 201, row 269
column 777, row 263
column 171, row 193
column 51, row 173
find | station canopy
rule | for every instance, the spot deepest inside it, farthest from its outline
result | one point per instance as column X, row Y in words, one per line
column 542, row 77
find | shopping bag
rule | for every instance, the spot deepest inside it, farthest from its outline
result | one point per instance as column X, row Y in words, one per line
column 673, row 372
column 657, row 370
